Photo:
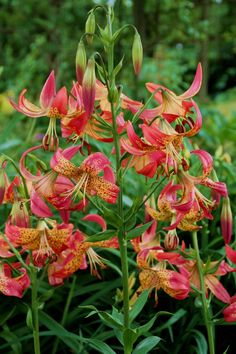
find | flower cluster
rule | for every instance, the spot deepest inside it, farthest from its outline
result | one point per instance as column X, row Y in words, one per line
column 49, row 197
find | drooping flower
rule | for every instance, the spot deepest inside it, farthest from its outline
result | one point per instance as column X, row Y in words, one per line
column 87, row 177
column 47, row 239
column 80, row 248
column 145, row 157
column 13, row 286
column 52, row 105
column 211, row 272
column 172, row 106
column 230, row 311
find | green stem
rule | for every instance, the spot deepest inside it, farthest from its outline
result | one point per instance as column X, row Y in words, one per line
column 205, row 308
column 65, row 312
column 121, row 233
column 34, row 304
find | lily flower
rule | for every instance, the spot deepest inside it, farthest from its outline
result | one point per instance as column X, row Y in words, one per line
column 13, row 286
column 86, row 176
column 211, row 273
column 171, row 106
column 48, row 238
column 146, row 157
column 230, row 311
column 52, row 105
column 80, row 248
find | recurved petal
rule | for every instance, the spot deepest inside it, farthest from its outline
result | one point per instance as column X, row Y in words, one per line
column 196, row 84
column 97, row 219
column 48, row 91
column 217, row 288
column 26, row 107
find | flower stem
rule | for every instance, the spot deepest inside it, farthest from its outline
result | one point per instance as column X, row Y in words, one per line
column 34, row 304
column 121, row 233
column 205, row 307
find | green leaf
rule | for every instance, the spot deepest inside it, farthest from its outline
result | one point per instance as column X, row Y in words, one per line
column 201, row 342
column 29, row 319
column 145, row 328
column 176, row 316
column 101, row 236
column 139, row 305
column 130, row 336
column 138, row 230
column 101, row 346
column 118, row 67
column 11, row 338
column 106, row 317
column 146, row 345
column 70, row 339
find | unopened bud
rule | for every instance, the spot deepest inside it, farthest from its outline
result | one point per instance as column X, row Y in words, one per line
column 50, row 142
column 19, row 214
column 137, row 53
column 113, row 94
column 171, row 241
column 80, row 62
column 3, row 180
column 88, row 87
column 90, row 27
column 226, row 220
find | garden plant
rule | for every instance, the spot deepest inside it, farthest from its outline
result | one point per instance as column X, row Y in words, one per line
column 116, row 197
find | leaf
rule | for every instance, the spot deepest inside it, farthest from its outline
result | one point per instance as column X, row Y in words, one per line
column 145, row 328
column 176, row 316
column 118, row 67
column 100, row 346
column 130, row 336
column 101, row 236
column 5, row 316
column 106, row 317
column 201, row 342
column 11, row 338
column 138, row 230
column 29, row 319
column 139, row 305
column 146, row 345
column 70, row 339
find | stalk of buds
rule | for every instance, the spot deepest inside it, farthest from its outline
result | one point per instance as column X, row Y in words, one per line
column 137, row 53
column 80, row 62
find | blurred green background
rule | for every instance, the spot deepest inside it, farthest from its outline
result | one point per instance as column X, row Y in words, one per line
column 37, row 37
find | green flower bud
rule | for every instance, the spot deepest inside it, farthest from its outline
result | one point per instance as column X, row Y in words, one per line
column 90, row 27
column 137, row 53
column 80, row 62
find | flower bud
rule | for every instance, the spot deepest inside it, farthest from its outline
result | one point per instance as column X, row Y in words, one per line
column 3, row 180
column 19, row 214
column 171, row 241
column 226, row 220
column 137, row 53
column 90, row 27
column 80, row 62
column 88, row 87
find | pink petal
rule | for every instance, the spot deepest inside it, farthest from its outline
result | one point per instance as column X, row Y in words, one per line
column 23, row 169
column 48, row 91
column 60, row 101
column 97, row 161
column 196, row 84
column 97, row 219
column 26, row 107
column 217, row 288
column 38, row 206
column 230, row 253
